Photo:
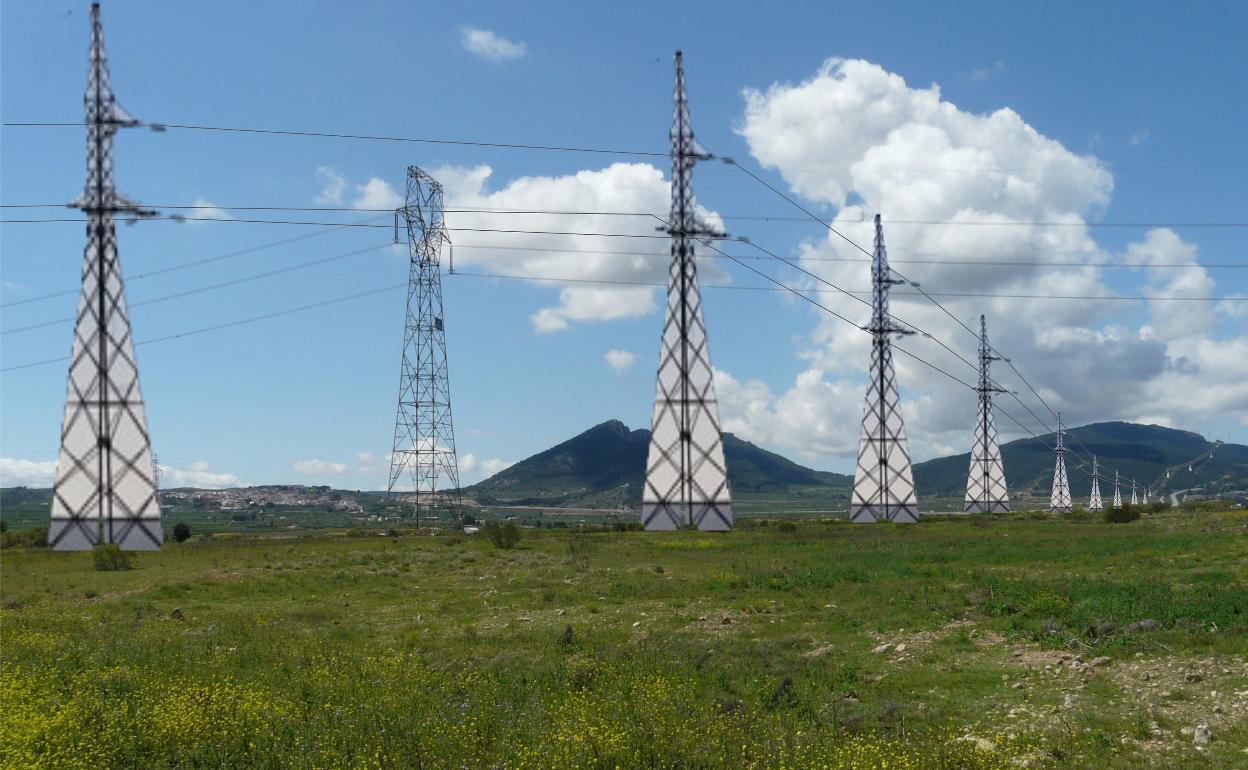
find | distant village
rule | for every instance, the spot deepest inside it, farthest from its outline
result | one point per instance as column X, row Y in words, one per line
column 268, row 497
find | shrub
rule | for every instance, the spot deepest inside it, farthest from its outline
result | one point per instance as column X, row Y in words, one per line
column 109, row 557
column 25, row 538
column 1121, row 515
column 786, row 526
column 502, row 535
column 181, row 531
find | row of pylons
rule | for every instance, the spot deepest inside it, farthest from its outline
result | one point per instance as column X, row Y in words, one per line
column 686, row 476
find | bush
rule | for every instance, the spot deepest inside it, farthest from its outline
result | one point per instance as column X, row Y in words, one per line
column 1121, row 515
column 504, row 535
column 786, row 526
column 25, row 538
column 181, row 531
column 109, row 557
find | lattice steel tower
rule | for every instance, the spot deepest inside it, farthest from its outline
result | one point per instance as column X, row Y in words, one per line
column 686, row 478
column 883, row 481
column 1060, row 500
column 985, row 484
column 424, row 438
column 1094, row 502
column 1135, row 498
column 1117, row 491
column 105, row 489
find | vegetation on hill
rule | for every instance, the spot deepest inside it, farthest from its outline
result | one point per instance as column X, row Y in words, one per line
column 605, row 467
column 1139, row 451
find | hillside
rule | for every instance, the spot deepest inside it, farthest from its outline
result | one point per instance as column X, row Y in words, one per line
column 1142, row 451
column 604, row 467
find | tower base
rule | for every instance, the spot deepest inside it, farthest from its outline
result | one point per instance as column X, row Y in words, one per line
column 869, row 514
column 714, row 517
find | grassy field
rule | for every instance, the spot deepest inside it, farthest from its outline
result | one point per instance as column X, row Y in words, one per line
column 961, row 642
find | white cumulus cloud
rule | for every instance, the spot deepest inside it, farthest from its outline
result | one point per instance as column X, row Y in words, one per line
column 620, row 360
column 197, row 474
column 860, row 140
column 489, row 45
column 315, row 467
column 204, row 210
column 26, row 473
column 559, row 246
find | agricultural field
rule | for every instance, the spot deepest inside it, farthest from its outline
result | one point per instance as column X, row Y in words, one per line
column 961, row 642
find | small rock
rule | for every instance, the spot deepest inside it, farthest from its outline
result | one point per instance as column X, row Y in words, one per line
column 177, row 614
column 1105, row 629
column 1069, row 702
column 1202, row 734
column 983, row 744
column 1103, row 660
column 1017, row 686
column 636, row 623
column 726, row 620
column 1193, row 678
column 901, row 647
column 561, row 612
column 885, row 647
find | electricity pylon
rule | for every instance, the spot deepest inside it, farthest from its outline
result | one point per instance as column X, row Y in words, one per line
column 686, row 477
column 424, row 437
column 1135, row 498
column 1094, row 502
column 1059, row 500
column 105, row 488
column 1117, row 491
column 883, row 481
column 985, row 484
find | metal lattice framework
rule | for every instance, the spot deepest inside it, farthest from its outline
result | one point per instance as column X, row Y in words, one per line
column 105, row 488
column 1117, row 491
column 1060, row 500
column 1135, row 493
column 985, row 483
column 1094, row 502
column 883, row 481
column 686, row 477
column 424, row 437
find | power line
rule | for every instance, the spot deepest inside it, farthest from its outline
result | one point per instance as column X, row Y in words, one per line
column 519, row 231
column 855, row 292
column 368, row 137
column 854, row 260
column 743, row 217
column 184, row 265
column 228, row 324
column 212, row 287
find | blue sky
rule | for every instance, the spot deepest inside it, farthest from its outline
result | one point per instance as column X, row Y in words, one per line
column 1123, row 113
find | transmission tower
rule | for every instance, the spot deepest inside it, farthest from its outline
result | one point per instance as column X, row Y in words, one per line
column 105, row 489
column 686, row 477
column 1059, row 500
column 1117, row 491
column 424, row 438
column 985, row 484
column 883, row 481
column 1094, row 502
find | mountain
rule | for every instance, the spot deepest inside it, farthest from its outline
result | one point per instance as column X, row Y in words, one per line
column 605, row 465
column 1139, row 451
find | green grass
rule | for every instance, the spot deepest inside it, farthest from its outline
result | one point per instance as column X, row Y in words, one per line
column 687, row 650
